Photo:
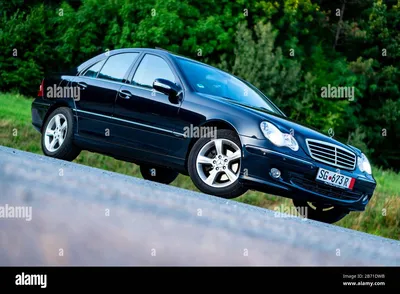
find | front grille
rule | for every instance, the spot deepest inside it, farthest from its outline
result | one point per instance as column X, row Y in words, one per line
column 331, row 154
column 320, row 188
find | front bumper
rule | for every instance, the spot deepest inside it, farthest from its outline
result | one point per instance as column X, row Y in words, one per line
column 297, row 180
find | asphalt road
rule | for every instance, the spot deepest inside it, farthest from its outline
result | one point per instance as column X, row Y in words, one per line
column 86, row 216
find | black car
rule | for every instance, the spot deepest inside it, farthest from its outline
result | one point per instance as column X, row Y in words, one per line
column 170, row 115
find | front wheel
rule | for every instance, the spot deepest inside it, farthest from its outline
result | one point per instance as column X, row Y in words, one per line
column 158, row 174
column 320, row 212
column 214, row 165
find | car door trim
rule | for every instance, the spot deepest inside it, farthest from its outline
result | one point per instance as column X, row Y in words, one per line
column 131, row 122
column 122, row 84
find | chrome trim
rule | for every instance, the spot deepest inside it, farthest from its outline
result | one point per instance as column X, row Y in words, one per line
column 279, row 153
column 337, row 156
column 137, row 87
column 131, row 122
column 178, row 134
column 123, row 84
column 162, row 85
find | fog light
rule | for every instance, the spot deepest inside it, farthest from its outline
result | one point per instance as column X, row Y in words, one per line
column 275, row 173
column 365, row 198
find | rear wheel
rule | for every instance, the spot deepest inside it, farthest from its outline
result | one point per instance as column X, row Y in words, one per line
column 57, row 135
column 214, row 165
column 320, row 212
column 158, row 174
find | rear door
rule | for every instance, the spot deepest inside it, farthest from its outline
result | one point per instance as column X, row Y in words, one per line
column 98, row 88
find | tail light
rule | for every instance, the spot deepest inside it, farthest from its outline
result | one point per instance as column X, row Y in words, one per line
column 40, row 93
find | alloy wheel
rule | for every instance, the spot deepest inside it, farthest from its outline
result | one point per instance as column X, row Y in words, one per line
column 218, row 163
column 56, row 132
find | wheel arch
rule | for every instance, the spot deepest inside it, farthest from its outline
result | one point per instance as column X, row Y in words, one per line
column 219, row 124
column 54, row 106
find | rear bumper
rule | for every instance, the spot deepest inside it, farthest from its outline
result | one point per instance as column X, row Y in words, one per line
column 297, row 180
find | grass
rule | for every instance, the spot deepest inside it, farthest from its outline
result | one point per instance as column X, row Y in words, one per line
column 382, row 215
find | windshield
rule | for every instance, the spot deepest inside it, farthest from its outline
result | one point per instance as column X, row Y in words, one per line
column 209, row 80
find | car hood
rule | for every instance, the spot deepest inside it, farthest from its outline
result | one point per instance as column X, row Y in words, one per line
column 305, row 132
column 286, row 125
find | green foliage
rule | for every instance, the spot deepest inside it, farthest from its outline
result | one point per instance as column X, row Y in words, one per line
column 19, row 66
column 260, row 62
column 290, row 49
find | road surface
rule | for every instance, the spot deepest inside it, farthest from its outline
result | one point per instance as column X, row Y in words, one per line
column 78, row 215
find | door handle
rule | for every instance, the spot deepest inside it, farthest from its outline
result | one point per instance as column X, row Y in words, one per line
column 82, row 85
column 125, row 94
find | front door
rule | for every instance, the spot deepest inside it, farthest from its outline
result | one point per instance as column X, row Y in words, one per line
column 147, row 118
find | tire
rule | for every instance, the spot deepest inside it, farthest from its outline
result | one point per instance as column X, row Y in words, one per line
column 158, row 174
column 217, row 176
column 66, row 150
column 320, row 212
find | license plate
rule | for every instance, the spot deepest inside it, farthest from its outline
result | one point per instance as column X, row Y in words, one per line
column 335, row 179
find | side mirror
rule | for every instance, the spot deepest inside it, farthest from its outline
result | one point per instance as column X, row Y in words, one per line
column 168, row 88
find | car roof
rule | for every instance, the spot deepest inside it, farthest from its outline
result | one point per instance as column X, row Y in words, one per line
column 165, row 52
column 123, row 50
column 158, row 51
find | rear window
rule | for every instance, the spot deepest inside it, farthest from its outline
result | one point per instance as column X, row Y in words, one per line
column 116, row 66
column 94, row 69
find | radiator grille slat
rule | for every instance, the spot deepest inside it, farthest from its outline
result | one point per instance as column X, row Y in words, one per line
column 331, row 154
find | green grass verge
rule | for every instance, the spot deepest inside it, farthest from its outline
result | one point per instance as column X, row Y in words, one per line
column 382, row 216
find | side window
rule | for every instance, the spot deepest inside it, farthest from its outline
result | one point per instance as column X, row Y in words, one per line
column 94, row 69
column 152, row 67
column 116, row 66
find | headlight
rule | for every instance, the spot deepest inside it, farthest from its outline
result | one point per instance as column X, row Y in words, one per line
column 363, row 164
column 278, row 138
